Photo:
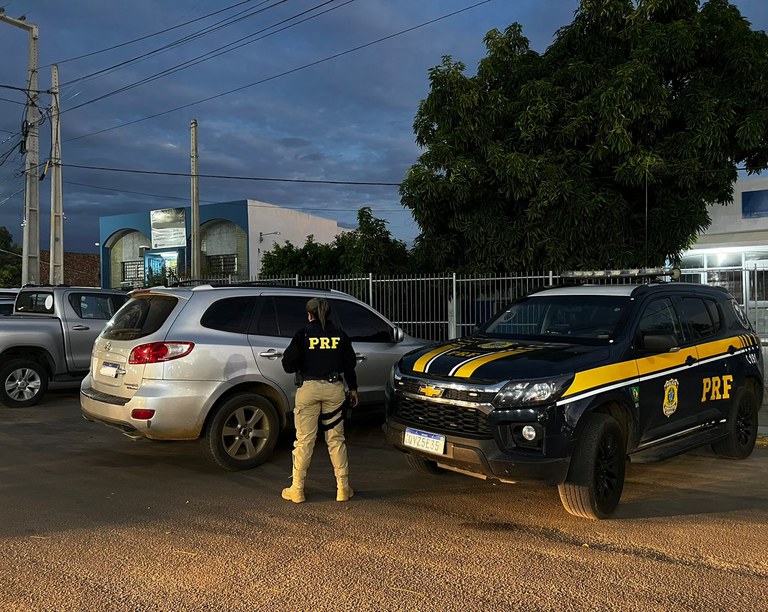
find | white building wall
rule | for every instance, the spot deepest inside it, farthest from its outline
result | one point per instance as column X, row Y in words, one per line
column 729, row 228
column 292, row 225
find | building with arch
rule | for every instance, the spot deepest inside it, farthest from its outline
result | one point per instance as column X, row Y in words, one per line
column 146, row 247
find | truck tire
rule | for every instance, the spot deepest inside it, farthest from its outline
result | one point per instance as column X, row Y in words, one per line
column 242, row 433
column 423, row 465
column 595, row 478
column 22, row 383
column 742, row 427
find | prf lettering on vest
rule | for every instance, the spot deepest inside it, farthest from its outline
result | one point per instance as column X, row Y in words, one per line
column 717, row 387
column 324, row 343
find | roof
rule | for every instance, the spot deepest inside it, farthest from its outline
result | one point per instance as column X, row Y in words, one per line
column 628, row 290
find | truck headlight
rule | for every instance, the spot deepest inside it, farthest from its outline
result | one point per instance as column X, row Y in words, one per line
column 531, row 392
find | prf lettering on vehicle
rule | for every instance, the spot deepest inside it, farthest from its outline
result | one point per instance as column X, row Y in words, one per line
column 716, row 387
column 325, row 343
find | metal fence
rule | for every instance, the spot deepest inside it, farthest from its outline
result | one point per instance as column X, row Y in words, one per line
column 442, row 306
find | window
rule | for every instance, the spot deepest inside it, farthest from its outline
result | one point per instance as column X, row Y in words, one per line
column 659, row 318
column 281, row 316
column 222, row 264
column 133, row 271
column 230, row 314
column 35, row 301
column 697, row 316
column 94, row 306
column 359, row 323
column 595, row 317
column 740, row 316
column 140, row 317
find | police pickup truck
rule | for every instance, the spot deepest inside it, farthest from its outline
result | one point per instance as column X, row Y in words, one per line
column 48, row 338
column 569, row 381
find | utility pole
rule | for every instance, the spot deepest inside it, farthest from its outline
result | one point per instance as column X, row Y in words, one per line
column 56, row 274
column 195, row 222
column 30, row 248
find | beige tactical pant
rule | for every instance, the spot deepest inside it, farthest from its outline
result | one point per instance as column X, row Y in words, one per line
column 313, row 399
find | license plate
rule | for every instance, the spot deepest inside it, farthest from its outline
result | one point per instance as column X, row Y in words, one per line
column 422, row 440
column 109, row 369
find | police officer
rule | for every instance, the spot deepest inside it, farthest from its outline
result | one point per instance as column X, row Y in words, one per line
column 320, row 354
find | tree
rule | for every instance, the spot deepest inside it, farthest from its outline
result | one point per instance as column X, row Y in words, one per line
column 548, row 161
column 369, row 248
column 10, row 260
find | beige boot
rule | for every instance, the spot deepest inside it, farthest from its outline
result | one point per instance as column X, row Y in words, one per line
column 343, row 490
column 295, row 492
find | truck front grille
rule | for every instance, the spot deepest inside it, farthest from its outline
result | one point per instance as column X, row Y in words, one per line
column 443, row 418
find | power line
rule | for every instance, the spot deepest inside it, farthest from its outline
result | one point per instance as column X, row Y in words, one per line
column 297, row 208
column 237, row 17
column 156, row 195
column 287, row 72
column 233, row 178
column 135, row 40
column 218, row 51
column 141, row 193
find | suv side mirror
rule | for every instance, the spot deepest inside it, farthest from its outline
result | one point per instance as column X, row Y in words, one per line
column 659, row 343
column 398, row 335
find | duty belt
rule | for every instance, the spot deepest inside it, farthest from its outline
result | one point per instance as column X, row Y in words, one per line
column 333, row 377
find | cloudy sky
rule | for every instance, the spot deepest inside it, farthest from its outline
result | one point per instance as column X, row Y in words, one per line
column 296, row 89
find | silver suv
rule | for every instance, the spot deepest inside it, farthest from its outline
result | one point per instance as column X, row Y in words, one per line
column 205, row 362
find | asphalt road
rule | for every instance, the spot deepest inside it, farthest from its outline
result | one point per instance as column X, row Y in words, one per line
column 90, row 520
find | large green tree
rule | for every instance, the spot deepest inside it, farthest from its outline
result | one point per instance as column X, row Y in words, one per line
column 369, row 248
column 10, row 260
column 550, row 160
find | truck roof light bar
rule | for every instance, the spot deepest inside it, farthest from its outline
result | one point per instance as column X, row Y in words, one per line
column 674, row 273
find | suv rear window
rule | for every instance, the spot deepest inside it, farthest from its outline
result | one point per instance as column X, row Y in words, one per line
column 230, row 314
column 140, row 317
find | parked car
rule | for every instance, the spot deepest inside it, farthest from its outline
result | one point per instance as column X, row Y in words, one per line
column 7, row 300
column 205, row 363
column 566, row 383
column 49, row 337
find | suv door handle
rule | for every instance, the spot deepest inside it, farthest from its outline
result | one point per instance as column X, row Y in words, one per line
column 360, row 357
column 271, row 354
column 80, row 327
column 690, row 360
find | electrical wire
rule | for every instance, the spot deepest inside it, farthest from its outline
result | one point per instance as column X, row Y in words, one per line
column 233, row 178
column 218, row 51
column 282, row 74
column 156, row 195
column 158, row 33
column 236, row 18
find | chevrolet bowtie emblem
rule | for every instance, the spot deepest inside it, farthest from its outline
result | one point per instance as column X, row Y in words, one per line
column 431, row 391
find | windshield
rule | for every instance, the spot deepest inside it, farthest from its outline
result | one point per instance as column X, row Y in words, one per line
column 568, row 316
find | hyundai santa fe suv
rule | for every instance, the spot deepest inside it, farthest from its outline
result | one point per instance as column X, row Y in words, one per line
column 205, row 362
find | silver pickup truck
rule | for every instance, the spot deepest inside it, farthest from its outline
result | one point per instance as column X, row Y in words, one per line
column 49, row 337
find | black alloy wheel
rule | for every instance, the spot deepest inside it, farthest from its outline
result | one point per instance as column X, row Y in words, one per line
column 595, row 478
column 741, row 435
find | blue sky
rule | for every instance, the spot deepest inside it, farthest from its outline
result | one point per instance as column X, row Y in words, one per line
column 344, row 119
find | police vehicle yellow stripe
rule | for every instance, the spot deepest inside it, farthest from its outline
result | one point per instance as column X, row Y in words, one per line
column 421, row 362
column 468, row 368
column 627, row 370
column 596, row 377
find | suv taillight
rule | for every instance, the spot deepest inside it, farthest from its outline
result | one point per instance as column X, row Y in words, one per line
column 155, row 352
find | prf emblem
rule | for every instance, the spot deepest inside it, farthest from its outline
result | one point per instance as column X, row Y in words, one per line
column 670, row 396
column 431, row 391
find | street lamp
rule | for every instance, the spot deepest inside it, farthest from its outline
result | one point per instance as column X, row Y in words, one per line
column 262, row 234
